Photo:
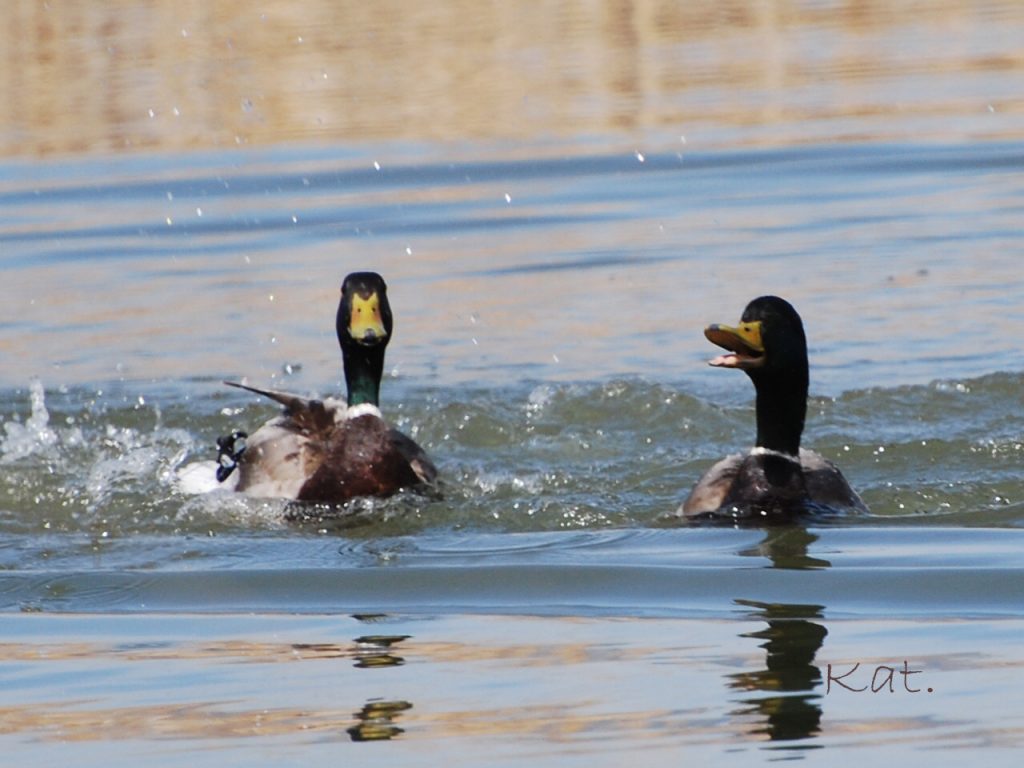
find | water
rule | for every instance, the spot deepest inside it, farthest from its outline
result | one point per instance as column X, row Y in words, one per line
column 549, row 287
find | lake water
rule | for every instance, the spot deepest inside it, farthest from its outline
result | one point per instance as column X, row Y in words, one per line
column 559, row 205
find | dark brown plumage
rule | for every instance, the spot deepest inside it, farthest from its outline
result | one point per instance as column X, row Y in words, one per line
column 329, row 450
column 777, row 479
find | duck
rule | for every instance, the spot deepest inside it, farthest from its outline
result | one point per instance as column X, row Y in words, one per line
column 777, row 479
column 332, row 451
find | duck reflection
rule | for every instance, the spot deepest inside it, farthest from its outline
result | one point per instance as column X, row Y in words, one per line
column 787, row 549
column 373, row 651
column 788, row 710
column 377, row 720
column 369, row 651
column 786, row 707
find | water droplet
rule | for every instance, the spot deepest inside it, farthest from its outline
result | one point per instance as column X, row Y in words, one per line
column 376, row 165
column 508, row 198
column 408, row 250
column 640, row 157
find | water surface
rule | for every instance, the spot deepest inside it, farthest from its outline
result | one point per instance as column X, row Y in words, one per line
column 558, row 208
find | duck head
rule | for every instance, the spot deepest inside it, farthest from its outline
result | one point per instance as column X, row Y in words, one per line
column 770, row 346
column 364, row 315
column 364, row 326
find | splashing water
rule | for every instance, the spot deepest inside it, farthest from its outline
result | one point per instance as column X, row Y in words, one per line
column 35, row 435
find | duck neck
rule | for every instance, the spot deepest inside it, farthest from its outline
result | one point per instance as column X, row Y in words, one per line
column 364, row 367
column 781, row 409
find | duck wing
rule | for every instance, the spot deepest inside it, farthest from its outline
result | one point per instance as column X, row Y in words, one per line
column 708, row 495
column 308, row 415
column 288, row 449
column 826, row 484
column 415, row 455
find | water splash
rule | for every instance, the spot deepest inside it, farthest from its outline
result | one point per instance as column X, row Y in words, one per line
column 35, row 435
column 530, row 457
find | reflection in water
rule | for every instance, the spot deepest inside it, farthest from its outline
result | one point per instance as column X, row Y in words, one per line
column 788, row 710
column 786, row 547
column 374, row 651
column 377, row 717
column 368, row 651
column 376, row 720
column 320, row 650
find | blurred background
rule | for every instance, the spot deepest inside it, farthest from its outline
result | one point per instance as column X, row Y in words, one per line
column 80, row 76
column 233, row 160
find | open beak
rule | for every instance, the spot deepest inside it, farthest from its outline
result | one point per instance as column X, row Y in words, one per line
column 746, row 350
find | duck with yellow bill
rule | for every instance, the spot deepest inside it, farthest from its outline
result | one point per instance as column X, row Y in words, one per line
column 330, row 450
column 777, row 479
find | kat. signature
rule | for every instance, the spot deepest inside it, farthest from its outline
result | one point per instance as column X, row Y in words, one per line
column 877, row 679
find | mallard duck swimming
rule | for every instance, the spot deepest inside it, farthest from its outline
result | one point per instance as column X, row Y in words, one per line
column 777, row 478
column 328, row 450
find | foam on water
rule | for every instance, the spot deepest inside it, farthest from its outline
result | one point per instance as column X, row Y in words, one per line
column 35, row 435
column 619, row 453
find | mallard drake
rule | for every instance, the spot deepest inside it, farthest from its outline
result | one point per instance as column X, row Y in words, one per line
column 329, row 450
column 777, row 479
